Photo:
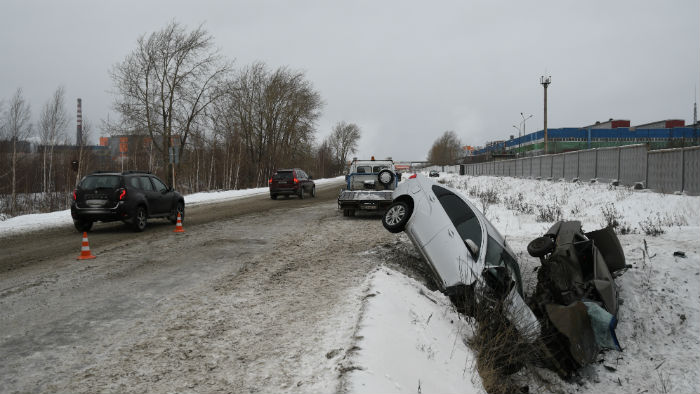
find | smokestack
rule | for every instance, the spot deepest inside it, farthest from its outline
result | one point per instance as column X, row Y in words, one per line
column 79, row 132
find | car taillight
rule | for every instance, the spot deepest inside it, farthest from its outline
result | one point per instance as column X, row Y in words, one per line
column 122, row 194
column 75, row 195
column 296, row 180
column 269, row 182
column 412, row 176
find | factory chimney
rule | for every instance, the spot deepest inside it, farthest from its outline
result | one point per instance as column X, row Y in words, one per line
column 79, row 131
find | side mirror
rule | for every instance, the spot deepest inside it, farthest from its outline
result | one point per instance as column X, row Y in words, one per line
column 472, row 247
column 311, row 177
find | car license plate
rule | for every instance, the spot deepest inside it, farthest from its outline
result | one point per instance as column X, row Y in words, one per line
column 369, row 207
column 95, row 203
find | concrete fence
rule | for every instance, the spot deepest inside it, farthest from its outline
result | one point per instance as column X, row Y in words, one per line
column 666, row 171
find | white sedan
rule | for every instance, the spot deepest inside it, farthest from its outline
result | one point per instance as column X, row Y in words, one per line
column 468, row 256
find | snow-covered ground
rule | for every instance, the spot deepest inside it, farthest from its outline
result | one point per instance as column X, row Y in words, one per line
column 659, row 319
column 410, row 340
column 33, row 222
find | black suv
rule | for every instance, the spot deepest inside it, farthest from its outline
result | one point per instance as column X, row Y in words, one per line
column 291, row 181
column 131, row 196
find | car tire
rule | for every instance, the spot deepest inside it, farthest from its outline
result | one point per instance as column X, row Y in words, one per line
column 273, row 196
column 313, row 191
column 140, row 218
column 301, row 192
column 385, row 177
column 396, row 217
column 179, row 208
column 82, row 225
column 540, row 246
column 346, row 212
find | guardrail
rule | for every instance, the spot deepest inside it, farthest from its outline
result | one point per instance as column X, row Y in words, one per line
column 666, row 171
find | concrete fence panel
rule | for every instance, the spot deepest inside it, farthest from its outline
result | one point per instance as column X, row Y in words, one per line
column 587, row 165
column 570, row 165
column 519, row 168
column 557, row 166
column 536, row 167
column 607, row 164
column 691, row 170
column 633, row 164
column 546, row 167
column 511, row 168
column 527, row 167
column 665, row 170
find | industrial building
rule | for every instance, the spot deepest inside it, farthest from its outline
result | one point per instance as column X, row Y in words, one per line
column 663, row 134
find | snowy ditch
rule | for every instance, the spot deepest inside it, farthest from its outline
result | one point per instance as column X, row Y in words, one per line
column 659, row 319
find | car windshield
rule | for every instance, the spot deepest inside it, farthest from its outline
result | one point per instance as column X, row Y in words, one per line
column 283, row 175
column 497, row 255
column 100, row 182
column 462, row 217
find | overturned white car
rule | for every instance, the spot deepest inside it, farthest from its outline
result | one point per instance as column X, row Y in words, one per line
column 468, row 256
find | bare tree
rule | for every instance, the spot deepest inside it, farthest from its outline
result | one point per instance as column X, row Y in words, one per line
column 275, row 113
column 53, row 122
column 445, row 150
column 343, row 141
column 17, row 127
column 166, row 83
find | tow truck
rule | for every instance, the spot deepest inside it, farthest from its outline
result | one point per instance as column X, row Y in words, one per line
column 368, row 186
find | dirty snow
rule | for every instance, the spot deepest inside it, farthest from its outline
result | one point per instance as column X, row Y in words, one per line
column 40, row 221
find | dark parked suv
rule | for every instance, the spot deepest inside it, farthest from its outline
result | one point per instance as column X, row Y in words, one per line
column 131, row 196
column 291, row 181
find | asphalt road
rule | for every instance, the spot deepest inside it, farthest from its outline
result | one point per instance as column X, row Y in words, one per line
column 256, row 296
column 39, row 247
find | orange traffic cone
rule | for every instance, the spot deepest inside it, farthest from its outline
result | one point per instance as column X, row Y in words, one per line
column 178, row 226
column 85, row 250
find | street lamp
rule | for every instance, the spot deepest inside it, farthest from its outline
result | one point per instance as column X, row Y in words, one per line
column 525, row 118
column 519, row 135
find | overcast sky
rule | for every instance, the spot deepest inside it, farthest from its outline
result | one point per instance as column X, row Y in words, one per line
column 403, row 71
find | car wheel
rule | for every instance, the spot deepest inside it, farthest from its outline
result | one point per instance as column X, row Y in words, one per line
column 385, row 177
column 313, row 191
column 539, row 247
column 301, row 192
column 396, row 216
column 82, row 225
column 346, row 212
column 273, row 196
column 139, row 220
column 179, row 208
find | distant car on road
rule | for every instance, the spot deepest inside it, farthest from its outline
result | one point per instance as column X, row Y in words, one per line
column 434, row 173
column 293, row 181
column 468, row 256
column 132, row 197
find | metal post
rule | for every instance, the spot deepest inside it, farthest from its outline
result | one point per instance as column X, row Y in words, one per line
column 545, row 82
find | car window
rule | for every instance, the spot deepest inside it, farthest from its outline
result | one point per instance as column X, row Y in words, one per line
column 460, row 214
column 302, row 174
column 379, row 168
column 364, row 169
column 146, row 183
column 100, row 181
column 282, row 175
column 160, row 186
column 496, row 254
column 134, row 182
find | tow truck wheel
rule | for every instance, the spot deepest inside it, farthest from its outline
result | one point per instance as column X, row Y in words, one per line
column 385, row 177
column 396, row 216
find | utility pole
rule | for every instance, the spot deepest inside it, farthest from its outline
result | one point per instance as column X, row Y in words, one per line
column 545, row 82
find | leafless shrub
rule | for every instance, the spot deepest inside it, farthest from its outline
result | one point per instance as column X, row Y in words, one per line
column 518, row 204
column 652, row 226
column 611, row 216
column 549, row 213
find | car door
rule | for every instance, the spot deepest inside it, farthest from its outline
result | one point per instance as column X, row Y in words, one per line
column 149, row 192
column 164, row 196
column 451, row 258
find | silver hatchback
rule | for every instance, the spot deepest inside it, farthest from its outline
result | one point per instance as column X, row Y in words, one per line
column 468, row 256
